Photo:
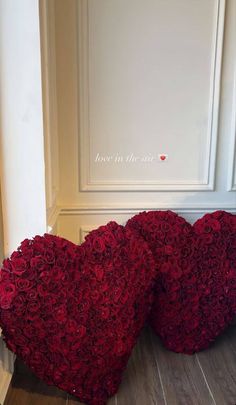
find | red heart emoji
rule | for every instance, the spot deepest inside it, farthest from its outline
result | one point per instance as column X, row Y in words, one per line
column 195, row 293
column 73, row 313
column 162, row 157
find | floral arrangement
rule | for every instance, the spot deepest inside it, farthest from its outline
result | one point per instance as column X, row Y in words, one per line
column 73, row 313
column 195, row 292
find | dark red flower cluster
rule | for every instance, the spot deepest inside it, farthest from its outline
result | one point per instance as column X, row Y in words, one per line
column 73, row 313
column 195, row 292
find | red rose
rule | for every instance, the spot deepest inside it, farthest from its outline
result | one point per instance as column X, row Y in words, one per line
column 37, row 263
column 60, row 314
column 45, row 277
column 105, row 312
column 49, row 256
column 29, row 331
column 36, row 361
column 99, row 272
column 7, row 289
column 32, row 295
column 81, row 331
column 33, row 306
column 168, row 249
column 6, row 268
column 98, row 244
column 19, row 266
column 23, row 284
column 6, row 301
column 31, row 275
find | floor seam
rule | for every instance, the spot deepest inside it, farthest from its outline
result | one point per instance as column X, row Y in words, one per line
column 205, row 379
column 159, row 374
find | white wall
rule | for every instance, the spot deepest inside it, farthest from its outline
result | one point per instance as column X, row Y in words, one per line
column 22, row 143
column 22, row 136
column 144, row 77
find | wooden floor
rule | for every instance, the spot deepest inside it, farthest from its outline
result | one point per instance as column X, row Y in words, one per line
column 154, row 376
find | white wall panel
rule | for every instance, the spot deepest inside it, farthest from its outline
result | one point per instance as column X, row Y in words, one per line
column 101, row 71
column 149, row 78
column 232, row 145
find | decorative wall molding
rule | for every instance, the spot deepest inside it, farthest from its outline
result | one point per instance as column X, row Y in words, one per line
column 75, row 223
column 52, row 217
column 48, row 56
column 84, row 230
column 231, row 183
column 86, row 183
column 132, row 209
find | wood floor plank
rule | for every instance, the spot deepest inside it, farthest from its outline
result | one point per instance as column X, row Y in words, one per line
column 141, row 383
column 219, row 366
column 29, row 390
column 75, row 401
column 181, row 376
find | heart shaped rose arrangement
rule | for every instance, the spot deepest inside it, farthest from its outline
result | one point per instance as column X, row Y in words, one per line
column 74, row 313
column 195, row 290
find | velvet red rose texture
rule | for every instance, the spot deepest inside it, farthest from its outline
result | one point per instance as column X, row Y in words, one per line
column 73, row 313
